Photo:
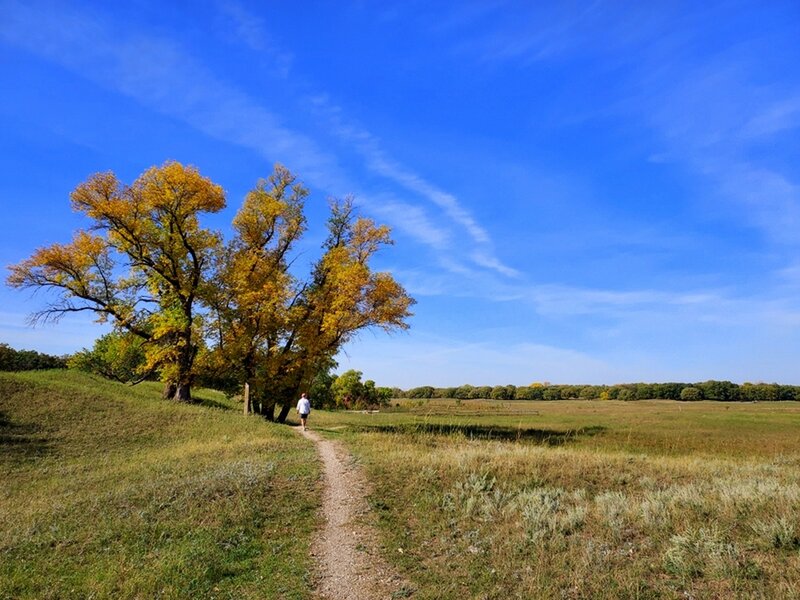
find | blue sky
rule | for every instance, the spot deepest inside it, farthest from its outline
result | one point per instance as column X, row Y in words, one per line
column 592, row 192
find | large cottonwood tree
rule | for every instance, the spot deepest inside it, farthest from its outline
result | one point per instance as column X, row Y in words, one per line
column 253, row 291
column 277, row 331
column 151, row 269
column 141, row 266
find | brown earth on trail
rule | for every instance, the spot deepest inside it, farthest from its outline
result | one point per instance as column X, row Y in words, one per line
column 346, row 554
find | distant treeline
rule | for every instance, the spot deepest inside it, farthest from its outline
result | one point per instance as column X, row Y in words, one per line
column 707, row 390
column 28, row 360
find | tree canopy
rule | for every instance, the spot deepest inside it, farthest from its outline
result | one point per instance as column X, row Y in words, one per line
column 28, row 360
column 234, row 310
column 707, row 390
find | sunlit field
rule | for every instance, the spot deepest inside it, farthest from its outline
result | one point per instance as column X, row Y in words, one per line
column 578, row 499
column 110, row 492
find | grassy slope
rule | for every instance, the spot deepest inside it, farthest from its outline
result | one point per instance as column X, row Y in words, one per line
column 109, row 492
column 586, row 499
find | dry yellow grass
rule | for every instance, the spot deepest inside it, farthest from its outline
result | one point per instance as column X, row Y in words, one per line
column 590, row 500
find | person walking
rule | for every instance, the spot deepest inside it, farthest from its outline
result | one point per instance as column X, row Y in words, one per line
column 303, row 409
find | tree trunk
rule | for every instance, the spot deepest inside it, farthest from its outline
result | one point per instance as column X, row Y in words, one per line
column 268, row 410
column 183, row 392
column 249, row 365
column 287, row 406
column 169, row 390
column 289, row 401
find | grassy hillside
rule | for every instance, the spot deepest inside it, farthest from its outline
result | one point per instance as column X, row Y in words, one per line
column 585, row 499
column 109, row 492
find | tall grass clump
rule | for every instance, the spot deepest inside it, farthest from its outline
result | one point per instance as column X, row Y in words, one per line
column 781, row 532
column 703, row 551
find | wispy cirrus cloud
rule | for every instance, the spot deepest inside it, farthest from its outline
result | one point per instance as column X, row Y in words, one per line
column 708, row 107
column 378, row 162
column 496, row 33
column 248, row 28
column 678, row 349
column 712, row 119
column 251, row 31
column 161, row 75
column 413, row 220
column 777, row 116
column 381, row 164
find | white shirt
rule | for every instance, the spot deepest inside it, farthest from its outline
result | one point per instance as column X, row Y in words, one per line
column 304, row 406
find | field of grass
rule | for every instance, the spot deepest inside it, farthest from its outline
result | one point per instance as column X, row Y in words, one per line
column 658, row 499
column 109, row 492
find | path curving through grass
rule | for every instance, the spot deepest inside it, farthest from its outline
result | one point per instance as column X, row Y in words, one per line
column 346, row 552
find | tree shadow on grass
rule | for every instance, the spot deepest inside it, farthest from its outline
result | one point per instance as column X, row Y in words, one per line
column 20, row 441
column 549, row 437
column 211, row 403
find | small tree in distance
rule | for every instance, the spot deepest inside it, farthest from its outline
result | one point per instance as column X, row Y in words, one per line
column 348, row 391
column 118, row 355
column 691, row 394
column 28, row 360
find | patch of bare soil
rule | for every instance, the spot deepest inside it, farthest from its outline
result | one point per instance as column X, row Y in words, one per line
column 346, row 553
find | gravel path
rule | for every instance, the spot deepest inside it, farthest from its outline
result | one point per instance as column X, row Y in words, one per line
column 346, row 553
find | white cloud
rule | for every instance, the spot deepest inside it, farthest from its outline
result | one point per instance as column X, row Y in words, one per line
column 412, row 220
column 159, row 74
column 491, row 262
column 790, row 274
column 709, row 109
column 249, row 28
column 251, row 31
column 779, row 116
column 552, row 31
column 711, row 117
column 379, row 163
column 609, row 337
column 771, row 201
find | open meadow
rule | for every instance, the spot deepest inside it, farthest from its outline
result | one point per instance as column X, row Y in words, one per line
column 577, row 499
column 110, row 492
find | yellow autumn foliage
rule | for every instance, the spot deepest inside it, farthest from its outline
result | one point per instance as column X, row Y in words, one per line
column 154, row 271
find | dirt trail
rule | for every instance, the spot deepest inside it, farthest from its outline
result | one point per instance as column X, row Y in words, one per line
column 347, row 559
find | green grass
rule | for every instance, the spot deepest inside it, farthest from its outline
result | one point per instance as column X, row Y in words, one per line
column 659, row 427
column 110, row 492
column 585, row 499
